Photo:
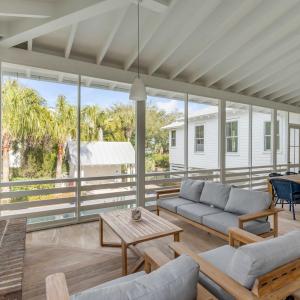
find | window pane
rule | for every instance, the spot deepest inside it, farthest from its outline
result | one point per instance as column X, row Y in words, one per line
column 164, row 133
column 203, row 134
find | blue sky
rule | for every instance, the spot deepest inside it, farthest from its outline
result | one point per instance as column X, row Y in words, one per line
column 89, row 96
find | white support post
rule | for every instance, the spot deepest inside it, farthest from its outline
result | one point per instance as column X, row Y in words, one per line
column 0, row 122
column 186, row 135
column 288, row 142
column 222, row 148
column 78, row 179
column 140, row 115
column 250, row 147
column 274, row 139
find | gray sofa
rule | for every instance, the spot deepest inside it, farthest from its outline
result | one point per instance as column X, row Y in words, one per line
column 216, row 207
column 261, row 269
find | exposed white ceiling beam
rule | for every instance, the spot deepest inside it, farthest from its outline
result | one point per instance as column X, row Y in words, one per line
column 286, row 90
column 150, row 31
column 66, row 13
column 60, row 77
column 61, row 64
column 266, row 40
column 188, row 27
column 71, row 40
column 292, row 100
column 27, row 9
column 29, row 45
column 238, row 12
column 264, row 16
column 266, row 65
column 106, row 44
column 158, row 6
column 271, row 83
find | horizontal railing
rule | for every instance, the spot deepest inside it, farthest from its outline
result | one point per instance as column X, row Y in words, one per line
column 53, row 202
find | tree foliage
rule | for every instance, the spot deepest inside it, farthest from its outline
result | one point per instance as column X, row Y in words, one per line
column 40, row 134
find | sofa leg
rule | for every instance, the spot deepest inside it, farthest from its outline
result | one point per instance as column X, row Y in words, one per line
column 157, row 211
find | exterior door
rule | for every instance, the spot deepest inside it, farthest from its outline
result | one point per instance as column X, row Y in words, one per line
column 294, row 148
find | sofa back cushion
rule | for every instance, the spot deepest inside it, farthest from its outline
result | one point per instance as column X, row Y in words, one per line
column 176, row 280
column 253, row 260
column 215, row 194
column 191, row 189
column 245, row 202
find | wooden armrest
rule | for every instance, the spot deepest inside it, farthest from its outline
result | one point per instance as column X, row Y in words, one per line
column 259, row 214
column 154, row 259
column 56, row 287
column 167, row 191
column 223, row 280
column 240, row 235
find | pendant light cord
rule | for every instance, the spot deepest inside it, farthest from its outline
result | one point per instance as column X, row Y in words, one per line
column 139, row 1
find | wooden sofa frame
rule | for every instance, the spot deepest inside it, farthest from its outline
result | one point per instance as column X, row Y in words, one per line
column 272, row 211
column 277, row 284
column 57, row 289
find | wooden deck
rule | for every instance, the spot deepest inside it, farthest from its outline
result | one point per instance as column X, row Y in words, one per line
column 75, row 251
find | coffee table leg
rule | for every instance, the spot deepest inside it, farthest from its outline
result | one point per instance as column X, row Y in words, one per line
column 124, row 258
column 176, row 237
column 101, row 231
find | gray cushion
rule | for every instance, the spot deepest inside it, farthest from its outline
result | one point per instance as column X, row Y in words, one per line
column 172, row 203
column 176, row 280
column 215, row 194
column 196, row 211
column 220, row 258
column 253, row 260
column 223, row 221
column 245, row 202
column 191, row 189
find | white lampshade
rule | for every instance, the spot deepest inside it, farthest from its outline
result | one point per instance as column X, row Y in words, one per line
column 138, row 90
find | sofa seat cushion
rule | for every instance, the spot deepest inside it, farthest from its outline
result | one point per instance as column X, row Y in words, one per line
column 176, row 280
column 172, row 203
column 246, row 202
column 253, row 260
column 220, row 258
column 191, row 189
column 195, row 212
column 223, row 221
column 216, row 194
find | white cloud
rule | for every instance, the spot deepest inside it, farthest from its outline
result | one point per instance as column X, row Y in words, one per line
column 169, row 106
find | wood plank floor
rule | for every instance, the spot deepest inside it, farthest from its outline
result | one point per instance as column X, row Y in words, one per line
column 75, row 251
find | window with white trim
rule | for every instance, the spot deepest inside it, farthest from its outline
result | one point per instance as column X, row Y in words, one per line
column 268, row 136
column 232, row 136
column 173, row 138
column 199, row 138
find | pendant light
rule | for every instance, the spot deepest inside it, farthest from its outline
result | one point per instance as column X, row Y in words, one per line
column 138, row 90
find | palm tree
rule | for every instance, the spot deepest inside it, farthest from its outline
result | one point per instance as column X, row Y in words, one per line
column 23, row 120
column 92, row 122
column 63, row 128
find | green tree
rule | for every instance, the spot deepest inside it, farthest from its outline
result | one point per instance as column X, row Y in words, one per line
column 24, row 120
column 120, row 123
column 92, row 123
column 63, row 128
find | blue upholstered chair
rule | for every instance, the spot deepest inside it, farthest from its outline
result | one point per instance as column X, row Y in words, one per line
column 286, row 191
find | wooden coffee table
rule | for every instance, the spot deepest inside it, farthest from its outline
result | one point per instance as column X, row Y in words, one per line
column 132, row 233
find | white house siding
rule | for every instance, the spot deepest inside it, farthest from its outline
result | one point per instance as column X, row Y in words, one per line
column 209, row 158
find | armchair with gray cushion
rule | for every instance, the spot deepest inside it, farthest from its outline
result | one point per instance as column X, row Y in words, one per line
column 260, row 269
column 167, row 280
column 216, row 207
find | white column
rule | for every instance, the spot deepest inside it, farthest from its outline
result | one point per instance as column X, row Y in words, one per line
column 222, row 148
column 274, row 139
column 250, row 147
column 140, row 115
column 186, row 134
column 78, row 181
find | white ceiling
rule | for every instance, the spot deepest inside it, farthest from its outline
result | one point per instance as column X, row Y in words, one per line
column 250, row 47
